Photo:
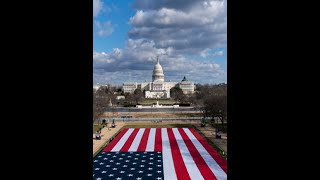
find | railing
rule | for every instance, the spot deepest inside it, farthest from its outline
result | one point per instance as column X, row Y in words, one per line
column 154, row 119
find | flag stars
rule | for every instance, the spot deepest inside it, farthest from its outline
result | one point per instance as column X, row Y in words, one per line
column 127, row 165
column 98, row 178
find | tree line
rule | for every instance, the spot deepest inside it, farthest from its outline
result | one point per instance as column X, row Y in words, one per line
column 210, row 99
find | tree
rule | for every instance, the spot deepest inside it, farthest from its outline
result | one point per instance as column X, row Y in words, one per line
column 99, row 102
column 176, row 94
column 137, row 95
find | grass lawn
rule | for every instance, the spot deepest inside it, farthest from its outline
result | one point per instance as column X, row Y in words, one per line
column 161, row 101
column 157, row 125
column 96, row 128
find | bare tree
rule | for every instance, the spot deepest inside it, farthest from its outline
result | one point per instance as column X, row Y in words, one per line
column 138, row 95
column 99, row 102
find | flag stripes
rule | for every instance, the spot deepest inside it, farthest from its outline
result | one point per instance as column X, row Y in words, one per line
column 186, row 154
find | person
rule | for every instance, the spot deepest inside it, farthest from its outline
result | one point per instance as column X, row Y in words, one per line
column 98, row 135
column 218, row 135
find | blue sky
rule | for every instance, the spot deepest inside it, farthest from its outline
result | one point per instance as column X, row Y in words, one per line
column 189, row 35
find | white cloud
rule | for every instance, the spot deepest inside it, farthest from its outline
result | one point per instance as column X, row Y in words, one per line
column 176, row 28
column 97, row 6
column 205, row 53
column 201, row 26
column 103, row 29
column 139, row 58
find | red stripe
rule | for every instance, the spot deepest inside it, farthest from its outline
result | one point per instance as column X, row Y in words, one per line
column 158, row 141
column 110, row 146
column 179, row 165
column 144, row 141
column 215, row 155
column 129, row 141
column 201, row 164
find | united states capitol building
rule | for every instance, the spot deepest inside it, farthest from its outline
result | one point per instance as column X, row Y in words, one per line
column 158, row 88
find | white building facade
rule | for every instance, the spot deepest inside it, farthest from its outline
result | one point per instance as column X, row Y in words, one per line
column 158, row 88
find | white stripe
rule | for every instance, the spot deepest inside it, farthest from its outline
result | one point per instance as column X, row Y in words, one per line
column 168, row 166
column 135, row 144
column 212, row 164
column 122, row 141
column 191, row 166
column 151, row 140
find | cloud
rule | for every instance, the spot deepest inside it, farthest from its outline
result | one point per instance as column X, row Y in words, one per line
column 97, row 6
column 103, row 29
column 177, row 28
column 206, row 53
column 189, row 27
column 138, row 59
column 157, row 4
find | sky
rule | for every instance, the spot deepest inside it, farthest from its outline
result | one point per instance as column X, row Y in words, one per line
column 189, row 36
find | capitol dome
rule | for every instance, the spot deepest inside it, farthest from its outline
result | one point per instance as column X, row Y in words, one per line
column 158, row 72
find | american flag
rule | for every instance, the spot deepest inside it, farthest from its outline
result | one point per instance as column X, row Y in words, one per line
column 159, row 153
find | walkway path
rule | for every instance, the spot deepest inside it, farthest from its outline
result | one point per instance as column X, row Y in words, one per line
column 209, row 132
column 106, row 134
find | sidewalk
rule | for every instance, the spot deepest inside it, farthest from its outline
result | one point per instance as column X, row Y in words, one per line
column 106, row 134
column 209, row 132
